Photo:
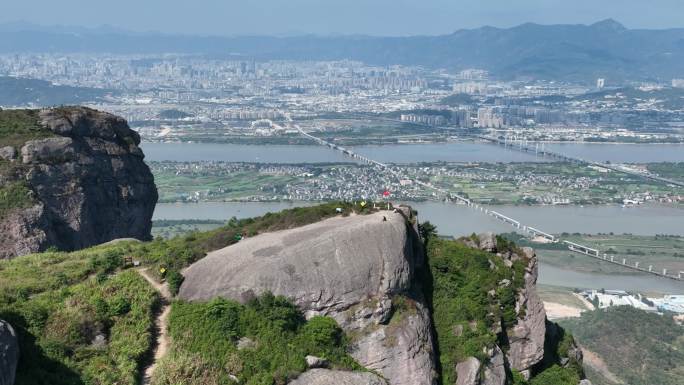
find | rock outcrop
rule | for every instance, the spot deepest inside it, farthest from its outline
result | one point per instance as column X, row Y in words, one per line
column 337, row 377
column 528, row 335
column 531, row 341
column 348, row 268
column 495, row 370
column 88, row 182
column 468, row 372
column 9, row 353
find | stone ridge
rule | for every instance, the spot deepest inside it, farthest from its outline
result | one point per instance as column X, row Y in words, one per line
column 89, row 182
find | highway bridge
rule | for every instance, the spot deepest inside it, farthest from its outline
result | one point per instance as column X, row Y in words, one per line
column 539, row 150
column 530, row 231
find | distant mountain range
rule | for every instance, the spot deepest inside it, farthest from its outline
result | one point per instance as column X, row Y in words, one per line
column 553, row 52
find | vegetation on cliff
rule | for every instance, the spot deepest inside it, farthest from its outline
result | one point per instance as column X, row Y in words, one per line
column 19, row 126
column 622, row 336
column 14, row 195
column 469, row 299
column 263, row 342
column 16, row 128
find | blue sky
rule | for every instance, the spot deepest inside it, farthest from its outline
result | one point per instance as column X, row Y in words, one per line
column 374, row 17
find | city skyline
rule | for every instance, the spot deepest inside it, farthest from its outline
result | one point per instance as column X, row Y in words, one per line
column 380, row 18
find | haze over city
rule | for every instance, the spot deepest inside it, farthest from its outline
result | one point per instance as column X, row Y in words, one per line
column 328, row 17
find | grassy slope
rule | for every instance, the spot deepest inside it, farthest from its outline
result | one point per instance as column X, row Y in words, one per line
column 639, row 347
column 59, row 303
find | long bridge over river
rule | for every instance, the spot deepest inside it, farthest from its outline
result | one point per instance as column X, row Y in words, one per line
column 528, row 230
column 524, row 146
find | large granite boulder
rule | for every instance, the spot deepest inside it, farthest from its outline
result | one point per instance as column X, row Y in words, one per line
column 9, row 353
column 337, row 377
column 349, row 268
column 89, row 182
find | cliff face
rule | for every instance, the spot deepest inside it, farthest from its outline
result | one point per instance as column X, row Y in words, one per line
column 87, row 183
column 355, row 269
column 532, row 343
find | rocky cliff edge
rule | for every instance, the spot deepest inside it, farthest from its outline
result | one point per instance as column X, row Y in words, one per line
column 87, row 183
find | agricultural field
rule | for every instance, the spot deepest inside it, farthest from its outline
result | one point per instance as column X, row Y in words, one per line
column 660, row 251
column 491, row 183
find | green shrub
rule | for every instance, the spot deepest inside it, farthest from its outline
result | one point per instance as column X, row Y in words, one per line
column 556, row 375
column 174, row 279
column 119, row 305
column 319, row 334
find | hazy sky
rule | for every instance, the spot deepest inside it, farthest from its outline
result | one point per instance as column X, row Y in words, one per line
column 375, row 17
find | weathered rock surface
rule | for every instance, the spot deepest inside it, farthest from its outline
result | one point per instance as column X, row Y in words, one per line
column 495, row 370
column 8, row 153
column 9, row 353
column 528, row 336
column 337, row 377
column 402, row 352
column 90, row 184
column 468, row 372
column 316, row 362
column 348, row 268
column 471, row 372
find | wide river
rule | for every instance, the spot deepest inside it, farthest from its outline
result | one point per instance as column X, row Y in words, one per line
column 453, row 219
column 408, row 153
column 458, row 220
